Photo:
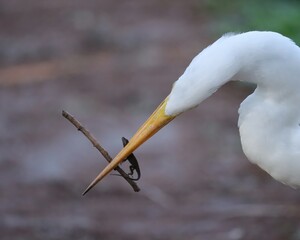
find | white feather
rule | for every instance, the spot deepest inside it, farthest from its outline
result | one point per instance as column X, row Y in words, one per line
column 270, row 117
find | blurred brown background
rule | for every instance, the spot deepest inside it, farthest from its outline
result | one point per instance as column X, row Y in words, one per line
column 110, row 63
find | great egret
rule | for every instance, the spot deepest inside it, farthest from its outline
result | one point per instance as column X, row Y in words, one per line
column 269, row 119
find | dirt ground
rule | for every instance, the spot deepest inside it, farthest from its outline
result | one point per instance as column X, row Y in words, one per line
column 110, row 63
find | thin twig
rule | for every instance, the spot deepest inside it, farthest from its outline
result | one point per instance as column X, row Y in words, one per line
column 96, row 144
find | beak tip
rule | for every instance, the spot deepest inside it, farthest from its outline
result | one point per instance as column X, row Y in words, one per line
column 89, row 188
column 86, row 191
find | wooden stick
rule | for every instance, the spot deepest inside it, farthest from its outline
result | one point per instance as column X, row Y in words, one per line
column 96, row 144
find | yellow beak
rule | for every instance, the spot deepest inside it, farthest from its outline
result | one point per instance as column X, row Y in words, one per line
column 155, row 122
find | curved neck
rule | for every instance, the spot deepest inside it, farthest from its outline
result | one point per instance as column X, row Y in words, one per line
column 264, row 58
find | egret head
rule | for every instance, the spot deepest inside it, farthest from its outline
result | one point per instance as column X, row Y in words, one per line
column 184, row 96
column 187, row 93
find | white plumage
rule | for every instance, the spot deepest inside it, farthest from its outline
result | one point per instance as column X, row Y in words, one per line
column 269, row 120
